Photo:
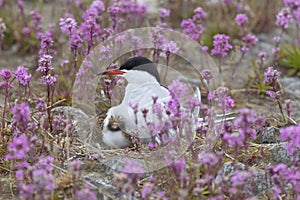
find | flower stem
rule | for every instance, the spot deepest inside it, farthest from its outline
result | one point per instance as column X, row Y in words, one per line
column 168, row 59
column 220, row 71
column 3, row 113
column 49, row 107
column 281, row 111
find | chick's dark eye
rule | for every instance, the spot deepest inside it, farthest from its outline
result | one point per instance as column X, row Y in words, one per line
column 115, row 125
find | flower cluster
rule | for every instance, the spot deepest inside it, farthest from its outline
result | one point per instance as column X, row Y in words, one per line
column 67, row 25
column 22, row 75
column 241, row 19
column 147, row 189
column 164, row 13
column 294, row 6
column 81, row 192
column 238, row 181
column 282, row 175
column 86, row 193
column 199, row 14
column 221, row 98
column 21, row 115
column 250, row 40
column 18, row 148
column 244, row 123
column 36, row 19
column 5, row 75
column 283, row 18
column 36, row 180
column 47, row 42
column 221, row 45
column 177, row 89
column 192, row 27
column 206, row 75
column 33, row 178
column 292, row 136
column 94, row 11
column 170, row 48
column 271, row 76
column 126, row 9
column 127, row 180
column 45, row 67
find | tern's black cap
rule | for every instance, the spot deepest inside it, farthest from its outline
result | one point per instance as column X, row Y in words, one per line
column 142, row 64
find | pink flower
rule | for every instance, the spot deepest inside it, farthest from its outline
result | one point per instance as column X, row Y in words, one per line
column 177, row 89
column 221, row 98
column 18, row 148
column 163, row 13
column 45, row 63
column 191, row 29
column 277, row 39
column 206, row 75
column 21, row 113
column 262, row 54
column 26, row 31
column 22, row 76
column 292, row 136
column 283, row 18
column 199, row 14
column 170, row 47
column 221, row 45
column 271, row 76
column 147, row 189
column 86, row 193
column 43, row 180
column 244, row 123
column 48, row 79
column 5, row 74
column 67, row 25
column 241, row 19
column 273, row 95
column 250, row 40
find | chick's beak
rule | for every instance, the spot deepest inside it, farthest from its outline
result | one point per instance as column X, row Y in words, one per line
column 111, row 72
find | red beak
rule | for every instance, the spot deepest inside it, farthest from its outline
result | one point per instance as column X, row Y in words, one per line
column 112, row 72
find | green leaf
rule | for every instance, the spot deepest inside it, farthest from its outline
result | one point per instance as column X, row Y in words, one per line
column 290, row 57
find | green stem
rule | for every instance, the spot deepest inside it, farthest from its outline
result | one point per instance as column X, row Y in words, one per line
column 49, row 106
column 220, row 71
column 281, row 111
column 3, row 113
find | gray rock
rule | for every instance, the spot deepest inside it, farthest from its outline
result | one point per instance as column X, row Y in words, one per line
column 277, row 153
column 106, row 191
column 259, row 183
column 291, row 86
column 270, row 135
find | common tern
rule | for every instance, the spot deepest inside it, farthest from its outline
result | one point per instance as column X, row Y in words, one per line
column 143, row 84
